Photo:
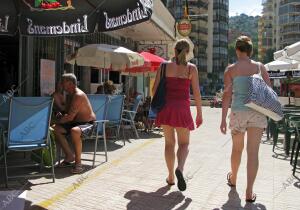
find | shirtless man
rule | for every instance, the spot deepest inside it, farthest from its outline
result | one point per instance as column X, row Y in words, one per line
column 78, row 119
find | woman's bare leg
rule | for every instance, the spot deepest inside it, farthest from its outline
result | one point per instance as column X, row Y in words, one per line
column 253, row 141
column 169, row 134
column 183, row 136
column 236, row 155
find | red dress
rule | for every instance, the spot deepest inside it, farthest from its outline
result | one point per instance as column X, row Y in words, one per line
column 176, row 112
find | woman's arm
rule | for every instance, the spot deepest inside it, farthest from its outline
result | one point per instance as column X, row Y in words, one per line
column 265, row 74
column 226, row 98
column 196, row 89
column 59, row 101
column 157, row 79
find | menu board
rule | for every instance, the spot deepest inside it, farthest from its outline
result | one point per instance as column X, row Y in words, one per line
column 47, row 75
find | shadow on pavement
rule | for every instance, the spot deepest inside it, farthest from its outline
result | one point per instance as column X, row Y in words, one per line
column 29, row 206
column 158, row 200
column 150, row 135
column 281, row 156
column 234, row 202
column 254, row 206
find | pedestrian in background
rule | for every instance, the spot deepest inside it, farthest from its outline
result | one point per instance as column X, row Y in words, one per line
column 175, row 117
column 109, row 87
column 242, row 118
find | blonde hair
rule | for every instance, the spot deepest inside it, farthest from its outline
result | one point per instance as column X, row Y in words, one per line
column 69, row 77
column 182, row 48
column 244, row 44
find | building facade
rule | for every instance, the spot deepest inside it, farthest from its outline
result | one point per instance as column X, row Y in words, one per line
column 210, row 36
column 289, row 23
column 279, row 26
column 25, row 58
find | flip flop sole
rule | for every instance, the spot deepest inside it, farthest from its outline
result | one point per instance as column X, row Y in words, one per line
column 180, row 180
column 251, row 200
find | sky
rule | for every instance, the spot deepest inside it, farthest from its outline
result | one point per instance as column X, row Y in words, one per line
column 249, row 7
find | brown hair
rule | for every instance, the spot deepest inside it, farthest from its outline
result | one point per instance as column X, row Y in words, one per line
column 182, row 48
column 244, row 44
column 109, row 87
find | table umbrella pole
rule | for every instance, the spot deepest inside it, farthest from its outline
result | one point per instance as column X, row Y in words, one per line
column 144, row 84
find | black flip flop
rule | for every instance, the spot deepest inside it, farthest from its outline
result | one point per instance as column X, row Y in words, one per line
column 252, row 200
column 170, row 183
column 180, row 180
column 229, row 181
column 65, row 164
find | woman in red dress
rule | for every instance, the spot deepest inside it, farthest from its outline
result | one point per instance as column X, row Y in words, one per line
column 176, row 116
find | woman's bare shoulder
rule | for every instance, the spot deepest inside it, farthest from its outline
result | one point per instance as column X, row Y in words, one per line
column 230, row 67
column 192, row 67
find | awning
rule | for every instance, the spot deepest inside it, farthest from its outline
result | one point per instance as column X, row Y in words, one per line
column 66, row 17
column 281, row 65
column 160, row 27
column 293, row 51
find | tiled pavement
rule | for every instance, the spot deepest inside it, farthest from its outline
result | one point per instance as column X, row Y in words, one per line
column 134, row 178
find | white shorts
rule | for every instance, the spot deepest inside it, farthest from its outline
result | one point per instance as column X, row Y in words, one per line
column 241, row 120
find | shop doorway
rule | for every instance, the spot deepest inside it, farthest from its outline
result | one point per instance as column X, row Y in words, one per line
column 9, row 60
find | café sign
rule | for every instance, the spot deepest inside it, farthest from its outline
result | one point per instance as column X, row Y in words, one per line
column 64, row 28
column 184, row 27
column 142, row 11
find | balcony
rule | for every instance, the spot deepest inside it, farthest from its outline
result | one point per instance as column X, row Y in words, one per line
column 218, row 18
column 200, row 30
column 289, row 41
column 220, row 6
column 289, row 9
column 201, row 55
column 266, row 2
column 198, row 3
column 283, row 2
column 220, row 31
column 295, row 27
column 289, row 19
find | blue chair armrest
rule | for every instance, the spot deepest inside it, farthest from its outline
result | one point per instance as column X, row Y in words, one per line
column 129, row 111
column 101, row 121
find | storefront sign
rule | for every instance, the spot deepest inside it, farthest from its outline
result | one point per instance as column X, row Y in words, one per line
column 156, row 49
column 47, row 76
column 4, row 24
column 284, row 74
column 184, row 27
column 142, row 11
column 64, row 28
column 296, row 73
column 275, row 74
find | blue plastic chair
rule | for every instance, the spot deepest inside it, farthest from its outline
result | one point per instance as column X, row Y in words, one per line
column 129, row 115
column 114, row 113
column 99, row 104
column 152, row 115
column 28, row 129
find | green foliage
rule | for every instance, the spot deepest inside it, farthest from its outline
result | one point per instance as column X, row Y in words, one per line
column 37, row 3
column 269, row 56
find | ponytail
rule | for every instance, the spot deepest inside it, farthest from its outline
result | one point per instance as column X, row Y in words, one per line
column 182, row 48
column 181, row 58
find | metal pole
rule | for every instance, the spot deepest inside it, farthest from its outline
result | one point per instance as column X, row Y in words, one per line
column 20, row 67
